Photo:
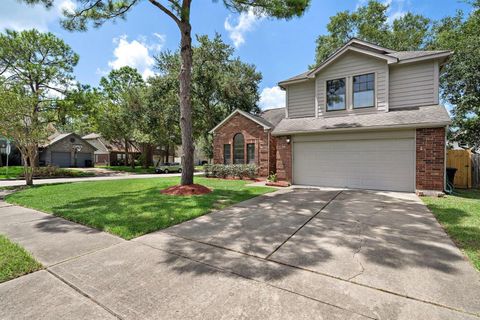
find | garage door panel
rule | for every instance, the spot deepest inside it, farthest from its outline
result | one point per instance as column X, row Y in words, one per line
column 386, row 164
column 61, row 159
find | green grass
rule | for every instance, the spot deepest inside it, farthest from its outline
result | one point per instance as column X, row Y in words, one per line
column 459, row 214
column 131, row 208
column 14, row 172
column 137, row 169
column 15, row 261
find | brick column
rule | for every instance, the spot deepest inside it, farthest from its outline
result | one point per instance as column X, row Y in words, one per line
column 284, row 159
column 430, row 159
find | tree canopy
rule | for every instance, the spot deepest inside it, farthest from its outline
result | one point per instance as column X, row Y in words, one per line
column 122, row 91
column 221, row 83
column 97, row 12
column 36, row 70
column 370, row 23
column 460, row 80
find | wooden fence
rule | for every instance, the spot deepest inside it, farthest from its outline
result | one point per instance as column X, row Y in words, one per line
column 462, row 161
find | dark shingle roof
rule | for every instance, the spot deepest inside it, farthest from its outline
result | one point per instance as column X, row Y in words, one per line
column 414, row 117
column 273, row 116
column 404, row 55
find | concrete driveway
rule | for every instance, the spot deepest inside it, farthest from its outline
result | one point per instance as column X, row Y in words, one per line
column 299, row 254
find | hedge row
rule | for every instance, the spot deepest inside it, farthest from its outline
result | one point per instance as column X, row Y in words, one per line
column 230, row 170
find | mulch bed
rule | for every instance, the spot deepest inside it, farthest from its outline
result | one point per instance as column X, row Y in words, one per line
column 277, row 184
column 188, row 190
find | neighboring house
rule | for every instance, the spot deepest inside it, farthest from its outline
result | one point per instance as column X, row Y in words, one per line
column 367, row 117
column 110, row 152
column 199, row 156
column 66, row 150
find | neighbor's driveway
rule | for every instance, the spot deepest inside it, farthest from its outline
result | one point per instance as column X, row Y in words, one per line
column 298, row 254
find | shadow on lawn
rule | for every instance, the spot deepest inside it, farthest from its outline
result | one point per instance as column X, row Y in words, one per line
column 132, row 214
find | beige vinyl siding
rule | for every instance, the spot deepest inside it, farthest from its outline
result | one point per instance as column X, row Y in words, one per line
column 301, row 99
column 412, row 84
column 347, row 66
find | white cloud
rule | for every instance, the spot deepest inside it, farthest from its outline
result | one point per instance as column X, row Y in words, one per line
column 136, row 54
column 271, row 98
column 20, row 16
column 246, row 22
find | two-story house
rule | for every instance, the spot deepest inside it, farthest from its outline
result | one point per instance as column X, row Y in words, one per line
column 367, row 117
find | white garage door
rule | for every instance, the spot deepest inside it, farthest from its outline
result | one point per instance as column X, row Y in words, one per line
column 381, row 164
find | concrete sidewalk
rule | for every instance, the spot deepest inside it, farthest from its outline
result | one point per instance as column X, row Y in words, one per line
column 15, row 183
column 224, row 265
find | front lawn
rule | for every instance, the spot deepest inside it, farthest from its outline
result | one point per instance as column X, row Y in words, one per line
column 137, row 169
column 131, row 208
column 459, row 214
column 14, row 172
column 15, row 261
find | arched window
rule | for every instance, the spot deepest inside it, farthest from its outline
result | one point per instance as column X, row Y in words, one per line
column 238, row 149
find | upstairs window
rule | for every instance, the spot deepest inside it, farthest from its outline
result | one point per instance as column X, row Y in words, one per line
column 226, row 154
column 238, row 149
column 336, row 94
column 364, row 91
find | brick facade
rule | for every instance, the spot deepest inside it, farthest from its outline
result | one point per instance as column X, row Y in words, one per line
column 252, row 133
column 430, row 158
column 284, row 158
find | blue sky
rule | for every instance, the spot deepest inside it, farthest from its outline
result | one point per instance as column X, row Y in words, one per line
column 278, row 48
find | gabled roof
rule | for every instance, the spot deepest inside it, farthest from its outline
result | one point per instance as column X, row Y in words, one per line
column 357, row 45
column 53, row 139
column 258, row 119
column 413, row 117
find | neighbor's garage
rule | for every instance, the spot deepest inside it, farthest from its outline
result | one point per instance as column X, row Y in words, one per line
column 376, row 160
column 61, row 159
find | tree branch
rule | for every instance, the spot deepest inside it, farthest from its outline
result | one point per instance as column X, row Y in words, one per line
column 166, row 10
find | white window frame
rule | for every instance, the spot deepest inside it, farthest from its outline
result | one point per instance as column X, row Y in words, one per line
column 374, row 91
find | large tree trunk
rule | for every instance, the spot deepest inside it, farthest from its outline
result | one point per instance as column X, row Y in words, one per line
column 185, row 100
column 147, row 155
column 125, row 162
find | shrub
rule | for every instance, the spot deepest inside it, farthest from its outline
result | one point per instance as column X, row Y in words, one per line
column 231, row 170
column 207, row 169
column 272, row 177
column 251, row 171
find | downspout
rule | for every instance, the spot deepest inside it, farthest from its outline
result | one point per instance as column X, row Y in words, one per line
column 268, row 153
